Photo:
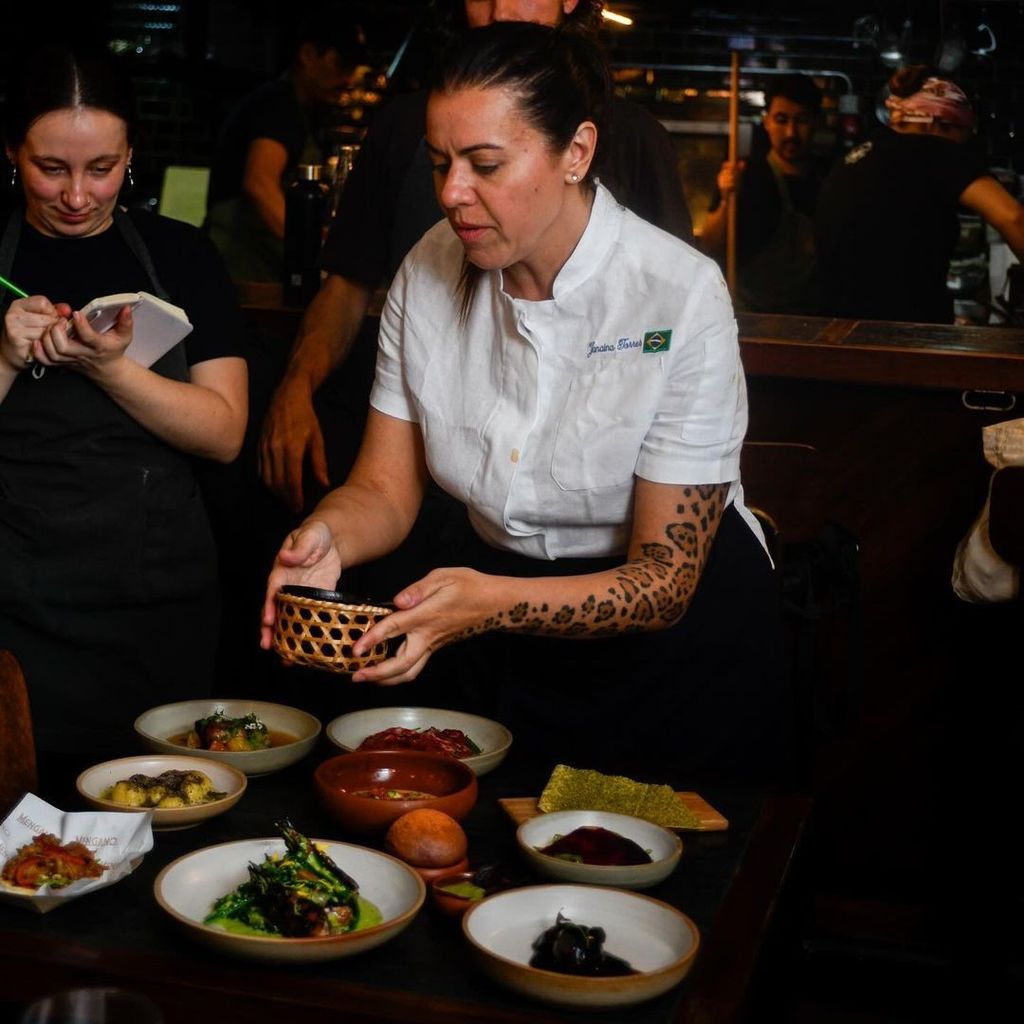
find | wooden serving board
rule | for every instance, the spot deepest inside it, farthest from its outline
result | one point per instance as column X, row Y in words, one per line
column 522, row 808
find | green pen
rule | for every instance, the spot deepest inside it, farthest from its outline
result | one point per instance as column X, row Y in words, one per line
column 10, row 286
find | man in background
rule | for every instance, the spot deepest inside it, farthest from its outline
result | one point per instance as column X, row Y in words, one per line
column 267, row 135
column 777, row 194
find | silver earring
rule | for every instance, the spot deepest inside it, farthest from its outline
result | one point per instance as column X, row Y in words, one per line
column 128, row 173
column 14, row 176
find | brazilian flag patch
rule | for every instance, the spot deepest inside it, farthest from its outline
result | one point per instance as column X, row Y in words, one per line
column 657, row 341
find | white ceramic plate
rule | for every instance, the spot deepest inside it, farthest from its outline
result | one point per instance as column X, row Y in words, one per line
column 664, row 847
column 493, row 739
column 188, row 887
column 95, row 781
column 156, row 727
column 659, row 941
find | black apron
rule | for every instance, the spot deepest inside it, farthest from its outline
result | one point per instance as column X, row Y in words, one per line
column 702, row 700
column 107, row 564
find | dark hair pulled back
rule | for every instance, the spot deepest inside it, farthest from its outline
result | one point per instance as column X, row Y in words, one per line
column 60, row 77
column 558, row 77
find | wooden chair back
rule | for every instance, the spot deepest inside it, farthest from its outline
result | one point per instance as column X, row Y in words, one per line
column 18, row 772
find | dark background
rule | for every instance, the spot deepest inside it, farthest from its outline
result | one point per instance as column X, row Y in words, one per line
column 192, row 60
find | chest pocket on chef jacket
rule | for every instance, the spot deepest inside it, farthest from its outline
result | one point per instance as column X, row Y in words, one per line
column 605, row 418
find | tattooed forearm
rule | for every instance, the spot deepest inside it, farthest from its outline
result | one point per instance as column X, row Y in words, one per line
column 650, row 591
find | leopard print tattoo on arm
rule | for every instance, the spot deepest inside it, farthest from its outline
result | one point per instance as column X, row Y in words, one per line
column 648, row 592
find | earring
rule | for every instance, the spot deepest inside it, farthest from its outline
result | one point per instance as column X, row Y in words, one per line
column 128, row 174
column 14, row 175
column 574, row 178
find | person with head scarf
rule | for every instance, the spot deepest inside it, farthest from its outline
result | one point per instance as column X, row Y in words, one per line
column 887, row 216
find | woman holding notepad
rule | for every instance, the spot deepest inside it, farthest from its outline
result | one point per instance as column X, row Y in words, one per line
column 107, row 566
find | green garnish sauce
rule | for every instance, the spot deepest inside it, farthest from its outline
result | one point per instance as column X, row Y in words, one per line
column 467, row 890
column 369, row 917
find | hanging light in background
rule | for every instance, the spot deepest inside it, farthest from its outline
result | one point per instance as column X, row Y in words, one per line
column 619, row 19
column 893, row 48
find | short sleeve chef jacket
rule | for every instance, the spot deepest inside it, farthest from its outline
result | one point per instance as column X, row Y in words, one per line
column 538, row 414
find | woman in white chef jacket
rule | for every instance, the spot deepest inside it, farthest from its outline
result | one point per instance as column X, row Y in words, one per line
column 571, row 375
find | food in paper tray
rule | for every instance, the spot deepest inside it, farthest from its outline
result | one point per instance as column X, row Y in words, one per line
column 46, row 861
column 299, row 894
column 570, row 948
column 453, row 742
column 591, row 844
column 172, row 788
column 219, row 732
column 570, row 789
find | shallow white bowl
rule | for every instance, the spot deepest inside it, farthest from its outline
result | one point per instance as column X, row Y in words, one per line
column 100, row 777
column 665, row 849
column 156, row 726
column 188, row 887
column 493, row 739
column 656, row 939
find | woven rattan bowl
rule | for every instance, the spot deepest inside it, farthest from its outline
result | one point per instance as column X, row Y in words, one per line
column 318, row 628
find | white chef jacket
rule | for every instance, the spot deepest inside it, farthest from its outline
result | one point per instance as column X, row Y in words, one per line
column 538, row 414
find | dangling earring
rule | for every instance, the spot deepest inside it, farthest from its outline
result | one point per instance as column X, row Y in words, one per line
column 128, row 173
column 14, row 175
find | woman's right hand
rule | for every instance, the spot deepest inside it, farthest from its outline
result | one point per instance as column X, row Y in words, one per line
column 308, row 558
column 25, row 323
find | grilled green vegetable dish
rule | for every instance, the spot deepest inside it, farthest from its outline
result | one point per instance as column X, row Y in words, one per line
column 299, row 894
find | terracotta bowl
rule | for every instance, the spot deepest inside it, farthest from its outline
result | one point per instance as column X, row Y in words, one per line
column 451, row 783
column 430, row 874
column 450, row 904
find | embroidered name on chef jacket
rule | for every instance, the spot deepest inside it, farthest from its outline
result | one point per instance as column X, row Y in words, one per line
column 653, row 341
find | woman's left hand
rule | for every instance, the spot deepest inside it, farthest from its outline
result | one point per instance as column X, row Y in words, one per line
column 445, row 606
column 73, row 343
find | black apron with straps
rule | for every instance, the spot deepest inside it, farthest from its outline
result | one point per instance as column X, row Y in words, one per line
column 104, row 540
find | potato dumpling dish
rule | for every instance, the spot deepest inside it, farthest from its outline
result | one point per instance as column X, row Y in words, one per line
column 173, row 788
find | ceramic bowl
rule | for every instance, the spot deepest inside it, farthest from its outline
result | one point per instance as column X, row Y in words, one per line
column 451, row 904
column 188, row 887
column 95, row 781
column 485, row 879
column 659, row 941
column 293, row 733
column 664, row 847
column 337, row 780
column 493, row 739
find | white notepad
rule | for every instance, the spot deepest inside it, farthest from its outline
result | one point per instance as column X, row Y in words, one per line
column 158, row 325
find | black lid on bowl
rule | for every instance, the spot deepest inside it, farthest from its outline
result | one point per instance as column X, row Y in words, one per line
column 334, row 596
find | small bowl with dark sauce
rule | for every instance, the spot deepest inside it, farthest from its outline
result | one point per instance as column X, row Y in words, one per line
column 599, row 848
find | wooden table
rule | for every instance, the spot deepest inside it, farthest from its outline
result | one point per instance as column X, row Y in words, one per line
column 729, row 883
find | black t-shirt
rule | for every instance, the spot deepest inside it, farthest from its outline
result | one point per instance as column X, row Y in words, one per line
column 759, row 205
column 77, row 270
column 271, row 112
column 47, row 424
column 887, row 226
